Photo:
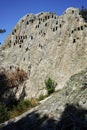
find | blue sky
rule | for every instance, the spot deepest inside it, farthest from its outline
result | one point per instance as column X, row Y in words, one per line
column 12, row 10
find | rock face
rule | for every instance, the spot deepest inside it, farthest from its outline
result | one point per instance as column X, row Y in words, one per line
column 12, row 86
column 46, row 45
column 64, row 110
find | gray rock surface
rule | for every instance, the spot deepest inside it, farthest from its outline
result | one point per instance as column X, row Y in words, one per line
column 46, row 45
column 64, row 110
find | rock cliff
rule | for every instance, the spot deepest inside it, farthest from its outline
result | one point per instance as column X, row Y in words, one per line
column 64, row 110
column 46, row 45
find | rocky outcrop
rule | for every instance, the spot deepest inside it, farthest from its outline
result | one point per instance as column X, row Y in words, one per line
column 64, row 110
column 12, row 86
column 46, row 45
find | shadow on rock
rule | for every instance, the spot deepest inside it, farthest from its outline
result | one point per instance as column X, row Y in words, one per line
column 73, row 118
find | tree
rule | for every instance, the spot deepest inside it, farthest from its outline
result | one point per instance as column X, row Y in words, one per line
column 83, row 13
column 2, row 30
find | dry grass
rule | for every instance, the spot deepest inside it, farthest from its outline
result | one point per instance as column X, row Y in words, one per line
column 23, row 106
column 12, row 79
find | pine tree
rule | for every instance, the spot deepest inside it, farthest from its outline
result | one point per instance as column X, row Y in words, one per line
column 2, row 30
column 83, row 13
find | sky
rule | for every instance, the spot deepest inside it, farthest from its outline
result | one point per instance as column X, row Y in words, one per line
column 12, row 10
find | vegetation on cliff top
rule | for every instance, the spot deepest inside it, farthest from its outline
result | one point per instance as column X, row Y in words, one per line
column 83, row 13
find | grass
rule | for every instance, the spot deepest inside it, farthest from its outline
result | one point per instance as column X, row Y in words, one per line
column 41, row 97
column 50, row 85
column 22, row 106
column 4, row 113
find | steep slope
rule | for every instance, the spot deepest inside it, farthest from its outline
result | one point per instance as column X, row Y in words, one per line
column 64, row 110
column 46, row 45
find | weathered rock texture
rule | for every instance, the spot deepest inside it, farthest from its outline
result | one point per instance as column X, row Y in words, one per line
column 64, row 110
column 46, row 45
column 12, row 86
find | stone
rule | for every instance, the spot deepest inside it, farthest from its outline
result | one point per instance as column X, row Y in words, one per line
column 58, row 111
column 58, row 56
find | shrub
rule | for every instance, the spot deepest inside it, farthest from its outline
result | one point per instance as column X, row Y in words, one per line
column 12, row 79
column 23, row 105
column 41, row 97
column 17, row 77
column 50, row 86
column 83, row 13
column 7, row 113
column 4, row 113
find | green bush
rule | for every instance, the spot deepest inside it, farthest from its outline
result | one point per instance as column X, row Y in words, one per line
column 50, row 86
column 7, row 113
column 83, row 13
column 41, row 97
column 4, row 113
column 23, row 105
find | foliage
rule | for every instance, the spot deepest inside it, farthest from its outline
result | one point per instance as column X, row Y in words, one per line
column 41, row 97
column 23, row 105
column 83, row 13
column 12, row 79
column 50, row 86
column 4, row 113
column 16, row 77
column 2, row 30
column 7, row 113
